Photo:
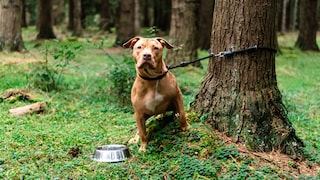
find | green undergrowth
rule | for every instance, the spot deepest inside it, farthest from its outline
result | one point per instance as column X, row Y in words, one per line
column 91, row 108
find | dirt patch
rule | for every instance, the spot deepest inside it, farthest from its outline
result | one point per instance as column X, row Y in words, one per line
column 19, row 60
column 114, row 50
column 275, row 159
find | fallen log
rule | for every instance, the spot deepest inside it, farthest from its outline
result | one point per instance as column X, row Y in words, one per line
column 32, row 108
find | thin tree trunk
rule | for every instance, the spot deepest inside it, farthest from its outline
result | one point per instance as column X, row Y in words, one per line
column 292, row 15
column 32, row 11
column 239, row 95
column 77, row 27
column 137, row 25
column 70, row 16
column 183, row 32
column 125, row 25
column 58, row 12
column 284, row 15
column 148, row 11
column 105, row 16
column 162, row 11
column 10, row 25
column 205, row 23
column 23, row 14
column 308, row 26
column 45, row 20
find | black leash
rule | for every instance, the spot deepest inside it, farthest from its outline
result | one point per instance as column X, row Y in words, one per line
column 222, row 54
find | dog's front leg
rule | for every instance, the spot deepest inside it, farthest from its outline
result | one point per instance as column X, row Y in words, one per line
column 141, row 125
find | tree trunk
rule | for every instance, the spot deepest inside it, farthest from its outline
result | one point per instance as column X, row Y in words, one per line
column 58, row 12
column 147, row 13
column 205, row 23
column 308, row 26
column 83, row 13
column 239, row 95
column 45, row 20
column 125, row 26
column 70, row 15
column 137, row 20
column 105, row 24
column 183, row 32
column 162, row 11
column 318, row 14
column 292, row 15
column 32, row 12
column 284, row 16
column 23, row 14
column 77, row 27
column 10, row 25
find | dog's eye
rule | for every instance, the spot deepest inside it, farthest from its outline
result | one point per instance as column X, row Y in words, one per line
column 155, row 48
column 139, row 47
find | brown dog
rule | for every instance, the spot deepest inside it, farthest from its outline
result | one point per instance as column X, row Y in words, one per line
column 155, row 89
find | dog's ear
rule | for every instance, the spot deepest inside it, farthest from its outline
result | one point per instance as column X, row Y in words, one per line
column 164, row 43
column 130, row 43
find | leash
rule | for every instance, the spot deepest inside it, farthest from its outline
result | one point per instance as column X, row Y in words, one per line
column 222, row 54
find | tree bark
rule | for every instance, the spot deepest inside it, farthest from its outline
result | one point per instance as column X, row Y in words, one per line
column 162, row 11
column 147, row 13
column 308, row 26
column 292, row 15
column 58, row 12
column 239, row 94
column 32, row 12
column 70, row 16
column 10, row 25
column 284, row 16
column 105, row 24
column 125, row 25
column 23, row 14
column 183, row 32
column 77, row 27
column 205, row 23
column 137, row 20
column 45, row 20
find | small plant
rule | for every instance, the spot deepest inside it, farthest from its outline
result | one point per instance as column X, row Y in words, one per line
column 152, row 31
column 48, row 75
column 121, row 75
column 227, row 152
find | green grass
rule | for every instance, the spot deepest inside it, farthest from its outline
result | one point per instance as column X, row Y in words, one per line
column 299, row 81
column 84, row 113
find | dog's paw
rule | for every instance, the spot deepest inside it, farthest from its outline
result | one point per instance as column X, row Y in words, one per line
column 134, row 140
column 143, row 148
column 184, row 127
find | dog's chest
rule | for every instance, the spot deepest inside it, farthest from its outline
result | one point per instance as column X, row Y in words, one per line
column 155, row 100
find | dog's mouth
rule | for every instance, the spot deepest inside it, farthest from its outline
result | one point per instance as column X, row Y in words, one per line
column 146, row 65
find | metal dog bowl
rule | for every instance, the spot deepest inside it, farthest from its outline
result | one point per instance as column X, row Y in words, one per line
column 111, row 153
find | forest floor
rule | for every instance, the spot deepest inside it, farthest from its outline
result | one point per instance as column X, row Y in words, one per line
column 86, row 84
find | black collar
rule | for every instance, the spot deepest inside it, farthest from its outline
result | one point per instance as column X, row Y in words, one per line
column 155, row 78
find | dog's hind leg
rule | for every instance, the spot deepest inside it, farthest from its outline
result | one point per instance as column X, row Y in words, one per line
column 180, row 113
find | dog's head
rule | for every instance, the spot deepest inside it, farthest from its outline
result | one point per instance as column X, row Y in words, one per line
column 147, row 52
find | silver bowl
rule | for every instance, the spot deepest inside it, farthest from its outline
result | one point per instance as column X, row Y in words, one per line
column 111, row 153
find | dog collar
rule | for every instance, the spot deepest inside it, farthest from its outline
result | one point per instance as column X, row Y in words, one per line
column 155, row 78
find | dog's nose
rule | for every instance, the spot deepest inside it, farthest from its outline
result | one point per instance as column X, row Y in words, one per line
column 147, row 56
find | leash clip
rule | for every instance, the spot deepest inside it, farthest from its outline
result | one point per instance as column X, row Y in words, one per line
column 220, row 54
column 225, row 53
